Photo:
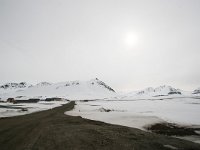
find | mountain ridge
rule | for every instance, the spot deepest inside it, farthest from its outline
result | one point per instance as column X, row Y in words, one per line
column 91, row 89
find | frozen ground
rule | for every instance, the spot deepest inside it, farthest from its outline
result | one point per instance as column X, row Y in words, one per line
column 142, row 113
column 9, row 109
column 139, row 113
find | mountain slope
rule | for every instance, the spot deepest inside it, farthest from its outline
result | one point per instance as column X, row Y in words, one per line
column 13, row 87
column 150, row 92
column 159, row 91
column 92, row 89
column 196, row 91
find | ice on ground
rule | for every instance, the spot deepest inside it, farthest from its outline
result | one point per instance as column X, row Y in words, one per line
column 140, row 113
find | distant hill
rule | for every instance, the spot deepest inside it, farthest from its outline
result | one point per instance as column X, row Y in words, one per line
column 92, row 89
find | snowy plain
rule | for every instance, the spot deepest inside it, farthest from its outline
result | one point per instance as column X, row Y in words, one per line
column 141, row 113
column 9, row 109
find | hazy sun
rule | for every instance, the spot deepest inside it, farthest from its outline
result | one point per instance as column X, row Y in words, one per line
column 130, row 40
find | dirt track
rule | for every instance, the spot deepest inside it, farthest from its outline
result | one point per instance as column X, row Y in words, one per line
column 52, row 130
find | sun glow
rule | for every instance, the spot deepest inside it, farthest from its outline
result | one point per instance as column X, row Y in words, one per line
column 130, row 40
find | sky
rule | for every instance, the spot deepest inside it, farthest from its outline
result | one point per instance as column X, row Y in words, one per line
column 129, row 44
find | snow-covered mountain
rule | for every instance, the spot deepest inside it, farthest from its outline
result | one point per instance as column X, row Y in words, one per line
column 43, row 84
column 145, row 91
column 92, row 89
column 13, row 87
column 150, row 92
column 20, row 85
column 159, row 91
column 196, row 91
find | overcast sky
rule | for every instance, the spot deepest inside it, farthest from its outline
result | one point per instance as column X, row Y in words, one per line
column 129, row 44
